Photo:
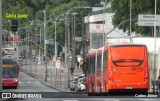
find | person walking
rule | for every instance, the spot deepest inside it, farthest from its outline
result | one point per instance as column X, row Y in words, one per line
column 83, row 67
column 77, row 64
column 72, row 70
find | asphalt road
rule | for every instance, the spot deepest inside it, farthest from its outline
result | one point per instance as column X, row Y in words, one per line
column 29, row 85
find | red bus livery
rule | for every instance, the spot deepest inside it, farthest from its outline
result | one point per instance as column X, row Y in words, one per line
column 117, row 67
column 10, row 73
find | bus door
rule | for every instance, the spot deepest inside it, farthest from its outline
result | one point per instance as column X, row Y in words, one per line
column 128, row 64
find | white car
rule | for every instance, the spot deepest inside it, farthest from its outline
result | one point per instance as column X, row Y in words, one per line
column 80, row 86
column 73, row 83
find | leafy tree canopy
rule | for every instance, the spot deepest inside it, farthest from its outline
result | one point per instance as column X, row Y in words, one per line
column 121, row 9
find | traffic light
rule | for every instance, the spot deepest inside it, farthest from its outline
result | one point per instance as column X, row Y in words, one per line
column 14, row 25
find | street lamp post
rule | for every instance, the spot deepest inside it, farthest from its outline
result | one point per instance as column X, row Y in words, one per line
column 74, row 40
column 55, row 49
column 104, row 5
column 154, row 69
column 119, row 25
column 67, row 50
column 130, row 21
column 45, row 47
column 56, row 36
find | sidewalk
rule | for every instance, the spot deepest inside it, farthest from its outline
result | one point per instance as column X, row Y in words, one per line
column 56, row 78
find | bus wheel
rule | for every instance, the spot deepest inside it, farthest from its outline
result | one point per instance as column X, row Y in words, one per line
column 90, row 93
column 15, row 87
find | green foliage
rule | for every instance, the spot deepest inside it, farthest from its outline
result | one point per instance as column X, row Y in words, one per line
column 121, row 9
column 35, row 8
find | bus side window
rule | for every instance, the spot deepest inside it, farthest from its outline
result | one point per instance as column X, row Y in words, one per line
column 87, row 66
column 105, row 59
column 92, row 62
column 99, row 61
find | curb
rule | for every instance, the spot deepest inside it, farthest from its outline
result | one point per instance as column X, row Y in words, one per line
column 45, row 83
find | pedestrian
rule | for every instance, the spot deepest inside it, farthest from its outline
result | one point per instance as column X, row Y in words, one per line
column 72, row 70
column 83, row 67
column 81, row 63
column 77, row 64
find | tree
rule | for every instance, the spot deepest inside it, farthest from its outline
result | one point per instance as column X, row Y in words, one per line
column 34, row 9
column 121, row 8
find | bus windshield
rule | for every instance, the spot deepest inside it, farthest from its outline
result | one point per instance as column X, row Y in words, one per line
column 9, row 73
column 127, row 55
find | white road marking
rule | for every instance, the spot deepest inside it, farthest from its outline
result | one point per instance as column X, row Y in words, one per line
column 28, row 82
column 37, row 82
column 69, row 100
column 115, row 100
column 149, row 99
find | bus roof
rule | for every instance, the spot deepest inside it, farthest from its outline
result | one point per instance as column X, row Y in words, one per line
column 126, row 44
column 92, row 52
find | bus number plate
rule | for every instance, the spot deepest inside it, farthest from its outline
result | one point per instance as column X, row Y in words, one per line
column 128, row 87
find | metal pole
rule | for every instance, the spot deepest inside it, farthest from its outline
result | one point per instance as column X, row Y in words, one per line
column 55, row 43
column 66, row 47
column 55, row 52
column 36, row 53
column 28, row 50
column 45, row 47
column 68, row 50
column 154, row 65
column 74, row 42
column 39, row 47
column 1, row 46
column 119, row 25
column 130, row 21
column 103, row 26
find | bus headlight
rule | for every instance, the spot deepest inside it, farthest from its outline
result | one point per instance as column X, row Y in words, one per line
column 15, row 80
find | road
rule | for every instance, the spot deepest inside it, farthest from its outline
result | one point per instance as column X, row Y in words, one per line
column 30, row 85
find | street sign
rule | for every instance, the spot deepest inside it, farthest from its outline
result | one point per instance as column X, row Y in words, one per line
column 77, row 39
column 49, row 42
column 96, row 28
column 148, row 20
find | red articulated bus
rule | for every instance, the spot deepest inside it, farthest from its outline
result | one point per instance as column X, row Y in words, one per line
column 10, row 72
column 117, row 67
